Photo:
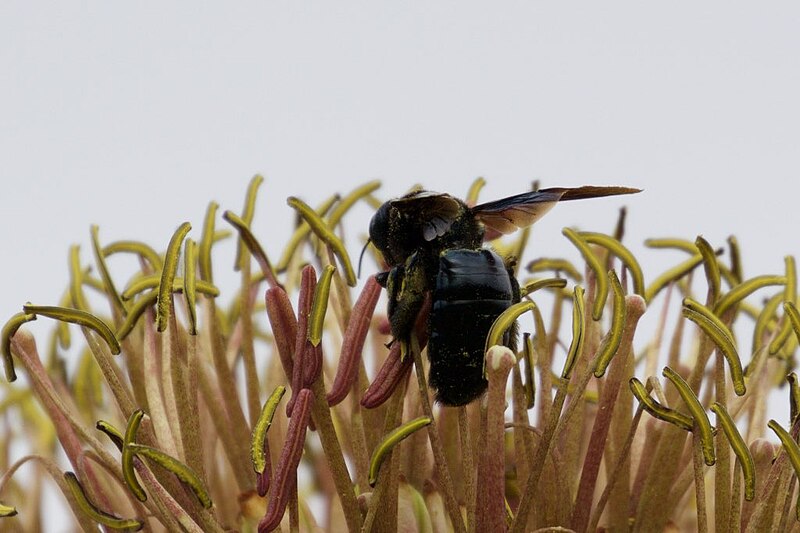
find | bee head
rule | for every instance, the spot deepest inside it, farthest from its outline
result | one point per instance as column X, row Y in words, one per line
column 419, row 220
column 395, row 233
column 379, row 231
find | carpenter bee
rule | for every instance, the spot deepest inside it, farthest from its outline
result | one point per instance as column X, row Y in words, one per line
column 433, row 244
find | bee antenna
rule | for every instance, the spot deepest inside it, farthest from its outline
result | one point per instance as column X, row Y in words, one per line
column 361, row 256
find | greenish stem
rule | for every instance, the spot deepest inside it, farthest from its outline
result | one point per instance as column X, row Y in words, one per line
column 699, row 481
column 248, row 349
column 321, row 414
column 382, row 513
column 537, row 464
column 436, row 445
column 227, row 385
column 467, row 458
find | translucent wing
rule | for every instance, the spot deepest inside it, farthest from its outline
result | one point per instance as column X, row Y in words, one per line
column 509, row 214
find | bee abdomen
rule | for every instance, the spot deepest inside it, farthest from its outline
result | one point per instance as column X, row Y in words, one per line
column 472, row 289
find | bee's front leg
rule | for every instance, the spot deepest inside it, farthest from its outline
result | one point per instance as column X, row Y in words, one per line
column 406, row 286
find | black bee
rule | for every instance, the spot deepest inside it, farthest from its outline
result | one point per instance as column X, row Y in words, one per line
column 433, row 243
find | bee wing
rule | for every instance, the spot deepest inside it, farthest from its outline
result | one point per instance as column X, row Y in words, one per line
column 435, row 212
column 508, row 214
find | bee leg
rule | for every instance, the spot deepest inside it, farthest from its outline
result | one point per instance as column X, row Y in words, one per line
column 511, row 337
column 406, row 285
column 383, row 278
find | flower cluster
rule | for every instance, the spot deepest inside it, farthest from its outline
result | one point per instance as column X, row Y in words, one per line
column 173, row 415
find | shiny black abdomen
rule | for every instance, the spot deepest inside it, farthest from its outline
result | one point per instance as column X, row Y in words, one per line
column 472, row 288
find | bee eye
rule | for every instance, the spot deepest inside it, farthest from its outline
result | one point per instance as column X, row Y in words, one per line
column 379, row 228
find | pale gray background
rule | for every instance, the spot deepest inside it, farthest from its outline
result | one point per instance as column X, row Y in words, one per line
column 134, row 117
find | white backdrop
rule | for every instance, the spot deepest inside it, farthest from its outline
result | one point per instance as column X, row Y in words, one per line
column 135, row 117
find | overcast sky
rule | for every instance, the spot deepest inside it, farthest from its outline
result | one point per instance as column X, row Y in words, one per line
column 135, row 116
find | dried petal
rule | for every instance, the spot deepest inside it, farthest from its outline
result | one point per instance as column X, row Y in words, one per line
column 284, row 326
column 391, row 373
column 353, row 342
column 396, row 368
column 384, row 327
column 308, row 282
column 263, row 480
column 312, row 363
column 287, row 465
